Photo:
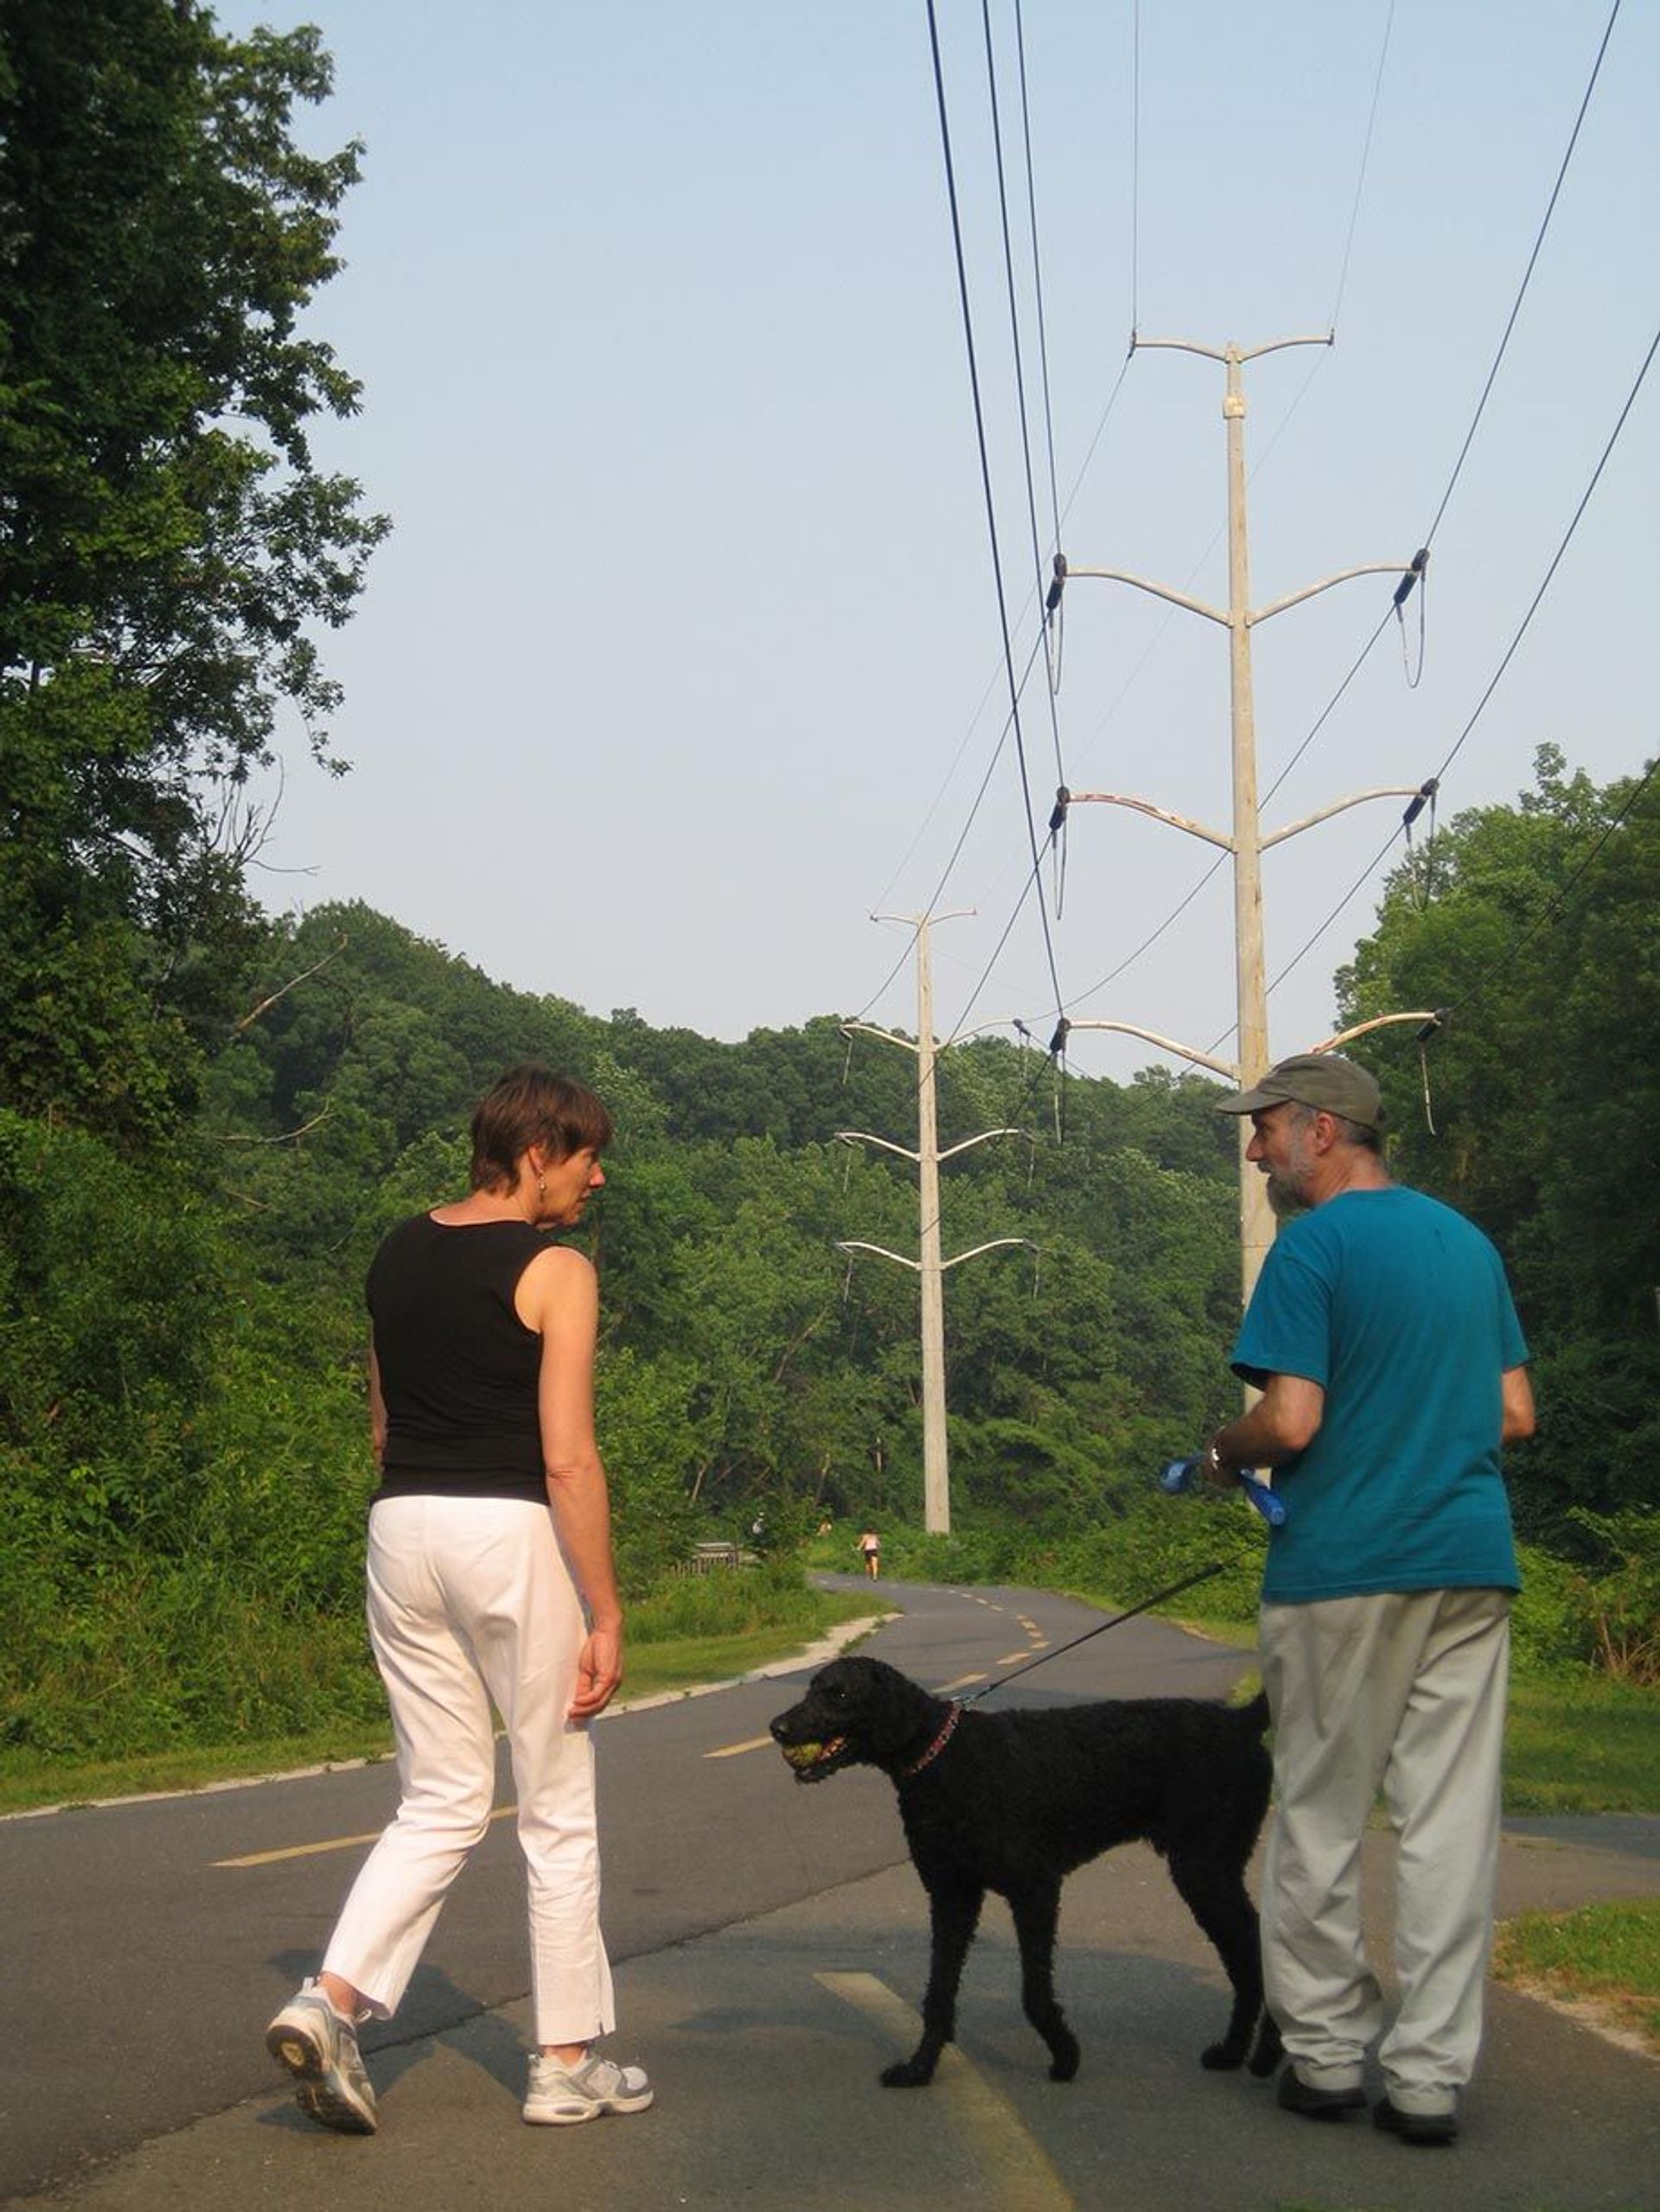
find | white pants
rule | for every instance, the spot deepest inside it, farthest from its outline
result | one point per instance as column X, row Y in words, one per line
column 471, row 1601
column 1405, row 1692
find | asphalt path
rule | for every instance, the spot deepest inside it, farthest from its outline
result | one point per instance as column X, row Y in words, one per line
column 148, row 1941
column 770, row 1941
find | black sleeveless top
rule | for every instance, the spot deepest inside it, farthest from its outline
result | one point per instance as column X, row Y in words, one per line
column 458, row 1368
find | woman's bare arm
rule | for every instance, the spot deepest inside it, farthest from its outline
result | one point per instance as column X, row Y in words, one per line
column 558, row 1296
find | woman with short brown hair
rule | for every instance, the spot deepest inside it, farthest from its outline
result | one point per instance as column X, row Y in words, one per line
column 491, row 1578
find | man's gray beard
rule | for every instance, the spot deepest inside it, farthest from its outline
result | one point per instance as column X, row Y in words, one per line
column 1284, row 1198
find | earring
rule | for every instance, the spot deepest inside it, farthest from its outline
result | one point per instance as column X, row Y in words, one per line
column 541, row 1189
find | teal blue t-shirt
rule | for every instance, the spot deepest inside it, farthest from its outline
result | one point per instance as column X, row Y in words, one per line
column 1398, row 1308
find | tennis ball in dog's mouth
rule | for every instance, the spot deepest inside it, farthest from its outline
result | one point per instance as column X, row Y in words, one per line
column 803, row 1754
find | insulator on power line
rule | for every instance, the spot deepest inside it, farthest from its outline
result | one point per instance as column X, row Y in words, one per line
column 1432, row 1026
column 1426, row 792
column 1021, row 1030
column 1420, row 562
column 1057, row 818
column 1058, row 1043
column 1058, row 586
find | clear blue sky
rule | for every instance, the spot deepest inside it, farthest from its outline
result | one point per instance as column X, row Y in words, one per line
column 673, row 671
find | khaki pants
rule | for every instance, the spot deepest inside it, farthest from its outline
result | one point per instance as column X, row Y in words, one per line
column 1403, row 1692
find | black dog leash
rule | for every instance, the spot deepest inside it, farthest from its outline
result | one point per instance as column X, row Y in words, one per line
column 1042, row 1659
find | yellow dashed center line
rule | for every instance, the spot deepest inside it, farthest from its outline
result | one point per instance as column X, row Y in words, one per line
column 1019, row 2172
column 726, row 1751
column 332, row 1843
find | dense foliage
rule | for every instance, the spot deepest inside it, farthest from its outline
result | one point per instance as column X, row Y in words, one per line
column 168, row 546
column 207, row 1120
column 181, row 1401
column 1537, row 927
column 746, row 1366
column 182, row 1421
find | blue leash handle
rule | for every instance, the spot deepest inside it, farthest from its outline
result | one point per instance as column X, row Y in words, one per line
column 1183, row 1474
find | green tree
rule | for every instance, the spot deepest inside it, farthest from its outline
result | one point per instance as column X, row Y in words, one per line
column 1537, row 926
column 169, row 546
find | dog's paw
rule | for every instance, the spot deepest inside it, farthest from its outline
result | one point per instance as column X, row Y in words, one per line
column 1269, row 2048
column 1225, row 2057
column 1064, row 2062
column 906, row 2073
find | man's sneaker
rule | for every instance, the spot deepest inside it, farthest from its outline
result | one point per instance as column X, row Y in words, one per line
column 1415, row 2126
column 1297, row 2095
column 559, row 2095
column 320, row 2051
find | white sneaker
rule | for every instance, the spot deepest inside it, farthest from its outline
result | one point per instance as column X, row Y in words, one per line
column 320, row 2051
column 559, row 2095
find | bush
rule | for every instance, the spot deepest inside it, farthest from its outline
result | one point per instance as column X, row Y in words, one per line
column 730, row 1602
column 1548, row 1631
column 167, row 1656
column 1601, row 1615
column 1619, row 1594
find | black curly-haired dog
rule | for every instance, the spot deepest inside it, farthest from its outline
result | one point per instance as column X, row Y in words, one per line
column 1013, row 1802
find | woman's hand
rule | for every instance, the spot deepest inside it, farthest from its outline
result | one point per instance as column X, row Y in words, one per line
column 558, row 1297
column 599, row 1670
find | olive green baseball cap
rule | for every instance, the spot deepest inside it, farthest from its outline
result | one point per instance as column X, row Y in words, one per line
column 1324, row 1081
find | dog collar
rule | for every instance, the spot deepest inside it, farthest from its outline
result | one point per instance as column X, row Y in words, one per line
column 953, row 1716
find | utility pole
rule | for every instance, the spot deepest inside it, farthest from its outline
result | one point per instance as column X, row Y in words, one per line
column 1246, row 844
column 928, row 1266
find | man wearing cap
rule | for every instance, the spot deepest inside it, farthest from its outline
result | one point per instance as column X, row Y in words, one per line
column 1392, row 1367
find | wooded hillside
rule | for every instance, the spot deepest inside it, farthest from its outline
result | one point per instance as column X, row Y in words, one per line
column 208, row 1119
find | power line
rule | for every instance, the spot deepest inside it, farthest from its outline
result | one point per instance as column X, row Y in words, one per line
column 1037, row 274
column 1567, row 539
column 1014, row 340
column 1063, row 511
column 1181, row 907
column 1342, row 278
column 962, row 837
column 1320, row 359
column 985, row 474
column 1492, row 373
column 997, row 953
column 1281, row 428
column 1320, row 720
column 1147, row 942
column 1509, row 655
column 1360, row 181
column 1089, row 454
column 1527, row 278
column 991, row 681
column 1441, row 511
column 1553, row 907
column 1395, row 834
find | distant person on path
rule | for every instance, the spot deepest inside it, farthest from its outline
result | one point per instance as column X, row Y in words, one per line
column 490, row 1579
column 869, row 1547
column 1383, row 1336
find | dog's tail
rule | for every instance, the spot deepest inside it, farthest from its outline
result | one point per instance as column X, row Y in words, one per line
column 1255, row 1714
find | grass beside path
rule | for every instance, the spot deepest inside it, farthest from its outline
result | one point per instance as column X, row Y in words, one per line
column 1605, row 1958
column 666, row 1662
column 1581, row 1744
